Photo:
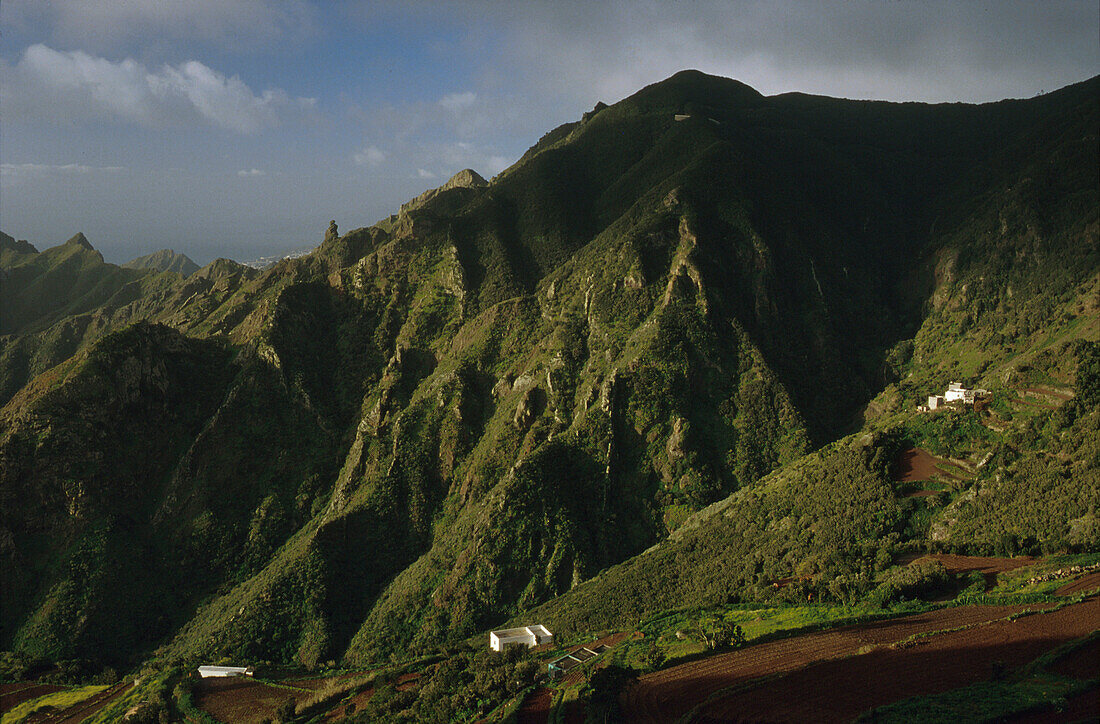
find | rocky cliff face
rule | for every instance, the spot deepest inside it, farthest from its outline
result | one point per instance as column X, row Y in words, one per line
column 467, row 410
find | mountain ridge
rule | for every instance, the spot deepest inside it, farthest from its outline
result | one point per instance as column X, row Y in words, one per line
column 505, row 391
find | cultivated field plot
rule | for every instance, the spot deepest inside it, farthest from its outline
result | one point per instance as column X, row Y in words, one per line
column 915, row 465
column 79, row 710
column 989, row 567
column 1082, row 584
column 14, row 694
column 241, row 699
column 844, row 670
column 536, row 707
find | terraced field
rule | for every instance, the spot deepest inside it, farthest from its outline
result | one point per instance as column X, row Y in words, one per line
column 819, row 676
column 14, row 694
column 241, row 699
column 839, row 689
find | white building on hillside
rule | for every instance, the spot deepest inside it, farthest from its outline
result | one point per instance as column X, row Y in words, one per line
column 528, row 636
column 208, row 671
column 956, row 392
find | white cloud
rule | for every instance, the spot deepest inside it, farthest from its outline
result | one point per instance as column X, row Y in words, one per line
column 251, row 172
column 935, row 50
column 457, row 101
column 369, row 156
column 496, row 164
column 14, row 173
column 45, row 168
column 48, row 83
column 464, row 154
column 424, row 173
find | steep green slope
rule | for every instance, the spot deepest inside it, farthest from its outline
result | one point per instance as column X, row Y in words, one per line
column 60, row 282
column 506, row 390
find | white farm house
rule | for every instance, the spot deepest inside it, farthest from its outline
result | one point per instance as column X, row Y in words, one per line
column 528, row 636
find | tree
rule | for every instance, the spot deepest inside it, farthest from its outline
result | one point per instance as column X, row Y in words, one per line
column 729, row 636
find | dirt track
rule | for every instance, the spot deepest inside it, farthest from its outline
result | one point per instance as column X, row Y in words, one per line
column 669, row 694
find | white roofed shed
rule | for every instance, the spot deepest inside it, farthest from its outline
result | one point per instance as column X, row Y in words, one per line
column 207, row 672
column 528, row 636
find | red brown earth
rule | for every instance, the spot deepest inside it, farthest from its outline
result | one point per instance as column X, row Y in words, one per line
column 825, row 692
column 408, row 680
column 1082, row 584
column 14, row 694
column 536, row 707
column 989, row 567
column 832, row 666
column 915, row 465
column 240, row 699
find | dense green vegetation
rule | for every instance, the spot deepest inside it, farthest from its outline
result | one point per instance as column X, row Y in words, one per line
column 656, row 364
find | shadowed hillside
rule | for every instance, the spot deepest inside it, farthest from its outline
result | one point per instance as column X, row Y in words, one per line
column 507, row 391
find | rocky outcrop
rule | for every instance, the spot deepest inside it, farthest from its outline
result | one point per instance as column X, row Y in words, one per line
column 464, row 179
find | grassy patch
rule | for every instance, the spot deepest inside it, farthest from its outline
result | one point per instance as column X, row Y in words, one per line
column 58, row 700
column 981, row 702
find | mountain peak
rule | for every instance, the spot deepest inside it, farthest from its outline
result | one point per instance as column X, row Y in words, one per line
column 696, row 87
column 164, row 260
column 467, row 178
column 80, row 240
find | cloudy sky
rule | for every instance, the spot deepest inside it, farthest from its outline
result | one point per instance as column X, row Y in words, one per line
column 238, row 128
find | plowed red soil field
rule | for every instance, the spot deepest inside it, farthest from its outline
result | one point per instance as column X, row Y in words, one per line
column 12, row 695
column 536, row 707
column 240, row 699
column 574, row 712
column 915, row 465
column 838, row 690
column 1082, row 584
column 669, row 694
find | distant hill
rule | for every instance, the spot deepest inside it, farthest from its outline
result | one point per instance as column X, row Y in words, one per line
column 666, row 359
column 164, row 260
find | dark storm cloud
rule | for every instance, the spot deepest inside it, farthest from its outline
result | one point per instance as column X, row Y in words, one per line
column 933, row 51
